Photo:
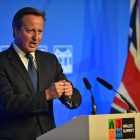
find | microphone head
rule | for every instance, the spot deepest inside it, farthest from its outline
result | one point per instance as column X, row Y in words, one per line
column 104, row 83
column 87, row 84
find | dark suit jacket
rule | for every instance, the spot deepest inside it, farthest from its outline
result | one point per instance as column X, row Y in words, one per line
column 22, row 109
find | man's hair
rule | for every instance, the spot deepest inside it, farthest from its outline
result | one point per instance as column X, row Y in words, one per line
column 17, row 20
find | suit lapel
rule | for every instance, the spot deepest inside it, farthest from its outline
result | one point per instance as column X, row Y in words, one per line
column 19, row 66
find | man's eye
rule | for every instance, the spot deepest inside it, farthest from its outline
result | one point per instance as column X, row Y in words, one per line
column 29, row 31
column 40, row 31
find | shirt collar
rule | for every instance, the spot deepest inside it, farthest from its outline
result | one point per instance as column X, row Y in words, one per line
column 20, row 52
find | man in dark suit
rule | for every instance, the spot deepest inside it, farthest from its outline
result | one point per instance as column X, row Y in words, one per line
column 29, row 81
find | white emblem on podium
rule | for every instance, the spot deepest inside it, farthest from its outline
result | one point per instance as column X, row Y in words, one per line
column 65, row 57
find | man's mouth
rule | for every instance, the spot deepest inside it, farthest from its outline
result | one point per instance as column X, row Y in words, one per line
column 32, row 44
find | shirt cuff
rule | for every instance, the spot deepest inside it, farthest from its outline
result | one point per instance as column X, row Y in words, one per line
column 69, row 104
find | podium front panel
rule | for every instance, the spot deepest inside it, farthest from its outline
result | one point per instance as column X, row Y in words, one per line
column 98, row 127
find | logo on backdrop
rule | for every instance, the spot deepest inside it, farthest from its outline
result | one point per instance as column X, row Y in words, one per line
column 4, row 47
column 121, row 128
column 64, row 54
column 40, row 47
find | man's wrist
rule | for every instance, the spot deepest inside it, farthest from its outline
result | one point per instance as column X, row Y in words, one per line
column 47, row 94
column 68, row 100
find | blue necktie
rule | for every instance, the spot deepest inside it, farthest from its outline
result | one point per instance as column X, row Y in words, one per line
column 32, row 71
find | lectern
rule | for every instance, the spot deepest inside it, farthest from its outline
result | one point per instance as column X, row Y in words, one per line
column 98, row 127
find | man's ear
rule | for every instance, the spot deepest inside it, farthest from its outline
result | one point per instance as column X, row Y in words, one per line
column 15, row 31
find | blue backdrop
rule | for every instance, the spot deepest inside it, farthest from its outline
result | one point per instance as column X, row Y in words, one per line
column 91, row 34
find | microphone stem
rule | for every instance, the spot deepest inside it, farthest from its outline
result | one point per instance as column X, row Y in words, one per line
column 94, row 107
column 90, row 91
column 116, row 91
column 128, row 103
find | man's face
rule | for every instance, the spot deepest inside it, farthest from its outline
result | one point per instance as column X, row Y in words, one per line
column 29, row 36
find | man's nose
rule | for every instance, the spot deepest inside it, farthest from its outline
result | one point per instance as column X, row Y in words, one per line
column 35, row 36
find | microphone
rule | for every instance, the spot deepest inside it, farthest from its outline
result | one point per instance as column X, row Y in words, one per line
column 104, row 83
column 110, row 87
column 88, row 86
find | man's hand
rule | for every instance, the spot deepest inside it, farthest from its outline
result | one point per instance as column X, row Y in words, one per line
column 58, row 88
column 68, row 91
column 55, row 90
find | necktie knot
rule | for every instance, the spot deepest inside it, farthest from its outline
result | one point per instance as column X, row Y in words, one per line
column 29, row 56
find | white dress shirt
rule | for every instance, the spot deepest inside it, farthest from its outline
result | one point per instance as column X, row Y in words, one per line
column 23, row 58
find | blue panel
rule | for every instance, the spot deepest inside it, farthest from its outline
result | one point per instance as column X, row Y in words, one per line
column 96, row 32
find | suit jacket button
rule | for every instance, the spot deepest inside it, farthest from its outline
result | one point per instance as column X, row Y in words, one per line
column 36, row 134
column 76, row 105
